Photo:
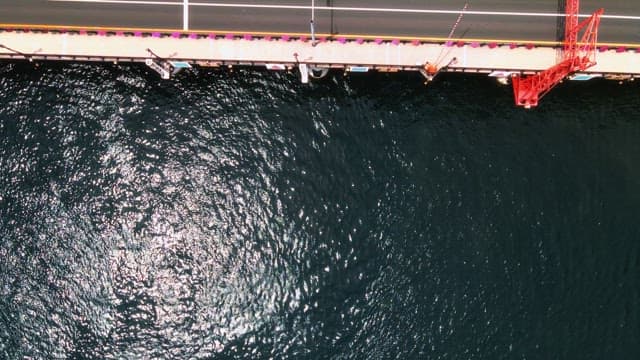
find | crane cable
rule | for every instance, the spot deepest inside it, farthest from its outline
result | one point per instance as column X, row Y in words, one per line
column 453, row 29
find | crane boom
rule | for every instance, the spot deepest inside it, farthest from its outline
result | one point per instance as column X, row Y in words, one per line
column 576, row 56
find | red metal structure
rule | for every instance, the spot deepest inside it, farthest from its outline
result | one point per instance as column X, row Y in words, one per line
column 576, row 56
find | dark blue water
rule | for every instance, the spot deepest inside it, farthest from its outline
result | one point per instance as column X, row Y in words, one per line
column 243, row 215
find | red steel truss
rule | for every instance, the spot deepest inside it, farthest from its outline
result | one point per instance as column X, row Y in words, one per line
column 576, row 56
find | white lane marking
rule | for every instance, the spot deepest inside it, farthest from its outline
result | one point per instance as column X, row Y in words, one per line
column 338, row 8
column 185, row 15
column 132, row 2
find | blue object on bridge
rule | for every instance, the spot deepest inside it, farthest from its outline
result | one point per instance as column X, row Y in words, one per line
column 583, row 77
column 180, row 64
column 361, row 69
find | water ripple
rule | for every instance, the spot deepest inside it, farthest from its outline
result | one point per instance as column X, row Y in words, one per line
column 243, row 215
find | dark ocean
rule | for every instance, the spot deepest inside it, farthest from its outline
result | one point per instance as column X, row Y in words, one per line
column 244, row 215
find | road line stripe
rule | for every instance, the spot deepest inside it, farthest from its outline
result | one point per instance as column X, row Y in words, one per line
column 354, row 9
column 185, row 15
column 131, row 2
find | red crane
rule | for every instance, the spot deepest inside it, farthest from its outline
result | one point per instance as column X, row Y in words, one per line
column 576, row 56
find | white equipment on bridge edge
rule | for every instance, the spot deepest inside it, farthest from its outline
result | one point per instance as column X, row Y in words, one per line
column 164, row 73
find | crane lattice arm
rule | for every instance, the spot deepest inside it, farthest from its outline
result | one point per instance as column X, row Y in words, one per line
column 576, row 56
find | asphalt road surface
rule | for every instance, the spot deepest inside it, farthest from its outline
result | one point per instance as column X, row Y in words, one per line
column 484, row 19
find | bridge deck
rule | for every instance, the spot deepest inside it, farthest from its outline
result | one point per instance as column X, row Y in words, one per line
column 336, row 52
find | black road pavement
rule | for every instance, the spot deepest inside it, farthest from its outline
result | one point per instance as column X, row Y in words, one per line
column 331, row 17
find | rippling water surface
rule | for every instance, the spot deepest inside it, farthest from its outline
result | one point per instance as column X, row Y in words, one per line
column 242, row 215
